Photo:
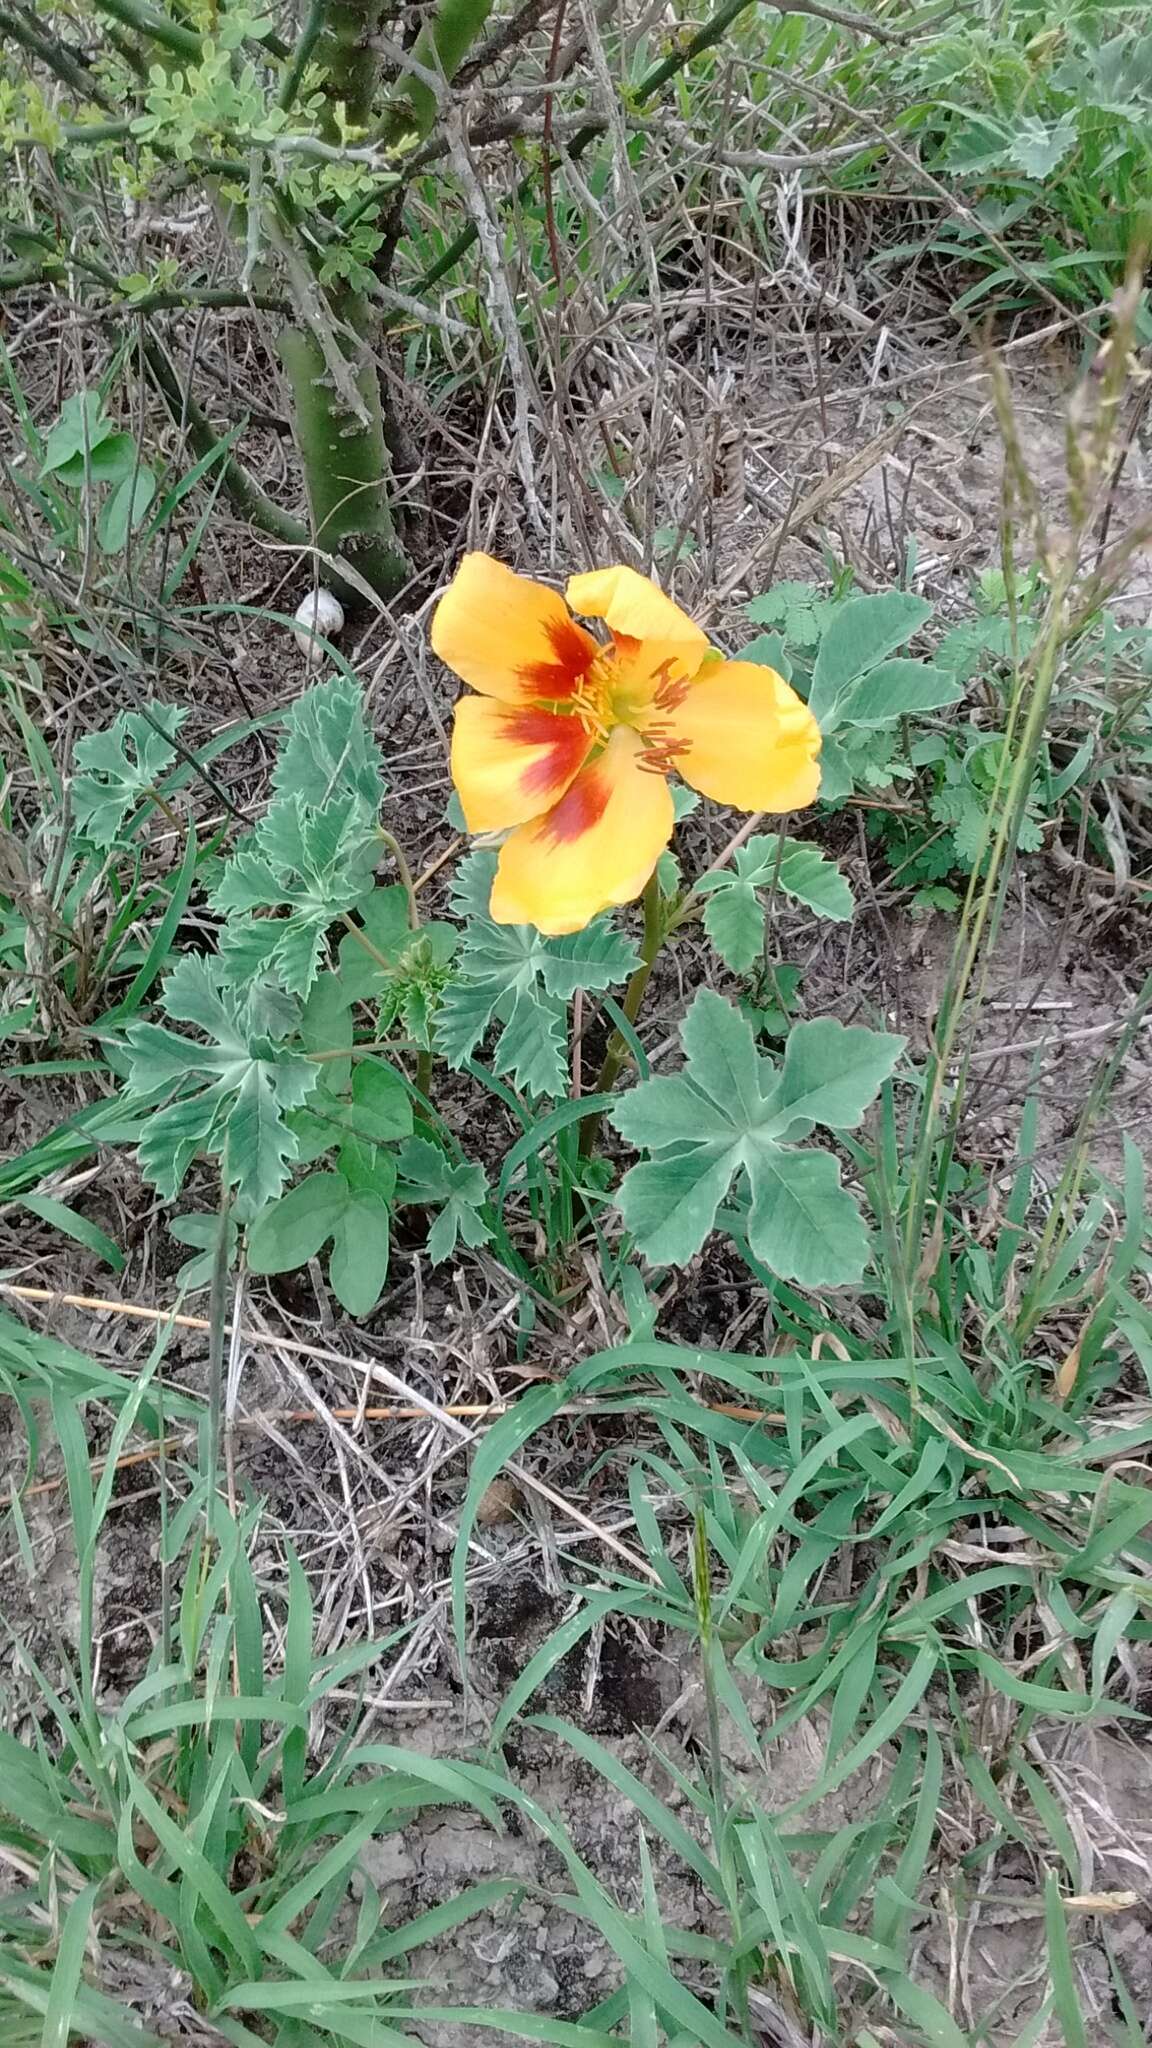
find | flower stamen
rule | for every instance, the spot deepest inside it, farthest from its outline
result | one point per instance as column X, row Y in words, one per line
column 589, row 706
column 660, row 750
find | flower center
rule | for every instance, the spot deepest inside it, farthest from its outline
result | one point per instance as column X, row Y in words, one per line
column 661, row 746
column 592, row 701
column 610, row 693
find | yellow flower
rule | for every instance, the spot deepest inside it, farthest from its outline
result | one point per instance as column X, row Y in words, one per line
column 569, row 743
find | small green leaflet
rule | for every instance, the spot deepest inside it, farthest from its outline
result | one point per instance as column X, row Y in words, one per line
column 201, row 1229
column 378, row 1112
column 767, row 650
column 111, row 460
column 349, row 1205
column 404, row 972
column 368, row 954
column 734, row 921
column 329, row 750
column 81, row 428
column 313, row 861
column 230, row 1093
column 323, row 1207
column 510, row 975
column 429, row 1178
column 897, row 689
column 797, row 608
column 734, row 1113
column 1035, row 147
column 734, row 917
column 125, row 508
column 120, row 768
column 862, row 633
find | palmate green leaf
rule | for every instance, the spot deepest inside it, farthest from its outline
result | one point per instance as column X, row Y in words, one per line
column 120, row 767
column 370, row 1109
column 381, row 1105
column 532, row 1047
column 404, row 972
column 512, row 976
column 669, row 1203
column 315, row 864
column 733, row 1112
column 227, row 1092
column 430, row 1179
column 734, row 914
column 329, row 750
column 836, row 777
column 767, row 650
column 382, row 919
column 1036, row 147
column 358, row 1260
column 797, row 608
column 292, row 1230
column 802, row 1223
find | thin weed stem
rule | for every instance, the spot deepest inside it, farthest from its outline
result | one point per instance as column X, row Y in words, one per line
column 405, row 874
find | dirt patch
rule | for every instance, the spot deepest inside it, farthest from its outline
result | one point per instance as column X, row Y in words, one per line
column 980, row 1947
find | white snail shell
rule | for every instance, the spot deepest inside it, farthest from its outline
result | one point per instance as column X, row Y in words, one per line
column 319, row 612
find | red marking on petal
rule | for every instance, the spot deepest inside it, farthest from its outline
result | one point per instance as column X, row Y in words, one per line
column 581, row 807
column 574, row 650
column 565, row 739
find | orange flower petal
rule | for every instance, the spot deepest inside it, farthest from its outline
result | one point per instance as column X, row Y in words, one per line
column 509, row 637
column 751, row 741
column 595, row 848
column 637, row 611
column 511, row 762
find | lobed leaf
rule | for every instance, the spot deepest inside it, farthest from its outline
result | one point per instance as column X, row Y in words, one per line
column 732, row 1114
column 312, row 863
column 457, row 1192
column 121, row 767
column 233, row 1091
column 329, row 750
column 734, row 913
column 511, row 976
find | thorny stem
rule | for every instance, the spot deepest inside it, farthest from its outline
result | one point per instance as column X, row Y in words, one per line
column 68, row 65
column 171, row 36
column 306, row 43
column 711, row 32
